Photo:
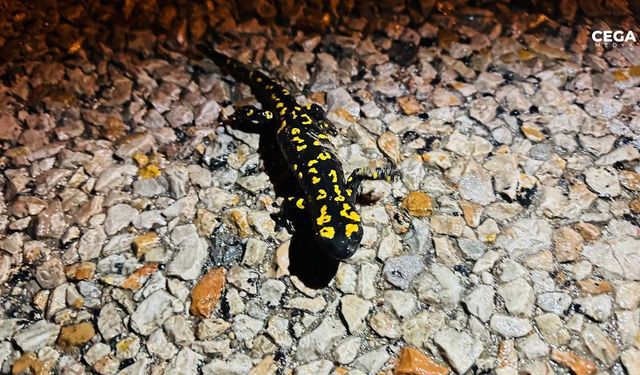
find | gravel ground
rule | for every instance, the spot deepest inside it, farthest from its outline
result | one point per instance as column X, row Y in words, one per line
column 138, row 237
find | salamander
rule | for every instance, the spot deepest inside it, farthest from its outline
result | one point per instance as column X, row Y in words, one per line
column 302, row 133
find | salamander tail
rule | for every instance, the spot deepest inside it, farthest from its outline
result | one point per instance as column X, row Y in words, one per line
column 227, row 64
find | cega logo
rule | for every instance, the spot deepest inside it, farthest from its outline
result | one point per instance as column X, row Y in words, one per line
column 614, row 38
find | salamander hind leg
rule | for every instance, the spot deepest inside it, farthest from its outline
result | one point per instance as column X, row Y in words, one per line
column 386, row 173
column 251, row 120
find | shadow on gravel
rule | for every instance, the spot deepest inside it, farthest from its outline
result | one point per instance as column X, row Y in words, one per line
column 307, row 261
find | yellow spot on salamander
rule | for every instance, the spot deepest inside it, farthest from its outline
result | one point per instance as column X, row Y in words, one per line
column 308, row 106
column 274, row 97
column 297, row 108
column 324, row 156
column 300, row 203
column 323, row 218
column 308, row 119
column 375, row 175
column 334, row 176
column 348, row 192
column 349, row 213
column 250, row 112
column 322, row 194
column 269, row 87
column 327, row 232
column 300, row 175
column 312, row 162
column 323, row 136
column 301, row 147
column 258, row 79
column 295, row 167
column 295, row 131
column 283, row 124
column 339, row 197
column 294, row 115
column 316, row 143
column 283, row 111
column 315, row 180
column 268, row 115
column 285, row 91
column 313, row 170
column 279, row 105
column 297, row 139
column 349, row 229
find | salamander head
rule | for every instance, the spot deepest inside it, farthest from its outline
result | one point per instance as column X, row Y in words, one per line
column 340, row 243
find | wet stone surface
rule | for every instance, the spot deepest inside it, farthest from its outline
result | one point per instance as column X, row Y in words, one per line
column 139, row 235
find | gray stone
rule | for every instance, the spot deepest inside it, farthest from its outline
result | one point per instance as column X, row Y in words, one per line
column 37, row 335
column 419, row 329
column 552, row 329
column 525, row 237
column 50, row 274
column 153, row 311
column 271, row 292
column 597, row 307
column 246, row 327
column 404, row 304
column 278, row 330
column 179, row 330
column 318, row 342
column 149, row 187
column 471, row 248
column 475, row 185
column 631, row 360
column 517, row 296
column 617, row 256
column 178, row 177
column 480, row 302
column 243, row 278
column 188, row 261
column 461, row 349
column 603, row 181
column 554, row 302
column 401, row 270
column 354, row 310
column 384, row 325
column 320, row 367
column 600, row 345
column 207, row 113
column 347, row 350
column 340, row 98
column 110, row 321
column 510, row 326
column 185, row 363
column 118, row 217
column 371, row 362
column 533, row 347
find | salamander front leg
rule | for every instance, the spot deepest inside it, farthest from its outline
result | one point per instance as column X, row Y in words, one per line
column 293, row 208
column 251, row 119
column 318, row 114
column 386, row 173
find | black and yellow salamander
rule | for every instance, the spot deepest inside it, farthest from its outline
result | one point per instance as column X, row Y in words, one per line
column 302, row 133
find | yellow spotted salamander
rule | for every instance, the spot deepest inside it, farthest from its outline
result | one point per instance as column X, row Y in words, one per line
column 302, row 133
